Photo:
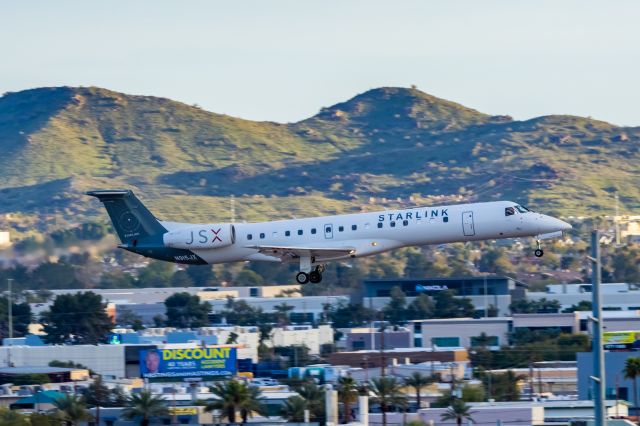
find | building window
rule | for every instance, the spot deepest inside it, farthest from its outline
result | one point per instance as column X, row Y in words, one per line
column 379, row 224
column 299, row 231
column 287, row 233
column 417, row 342
column 253, row 292
column 392, row 224
column 358, row 344
column 313, row 230
column 405, row 222
column 354, row 227
column 249, row 237
column 446, row 342
column 417, row 327
column 340, row 228
column 261, row 235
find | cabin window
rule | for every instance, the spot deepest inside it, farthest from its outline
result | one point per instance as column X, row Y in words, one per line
column 405, row 222
column 287, row 233
column 249, row 237
column 340, row 228
column 261, row 235
column 313, row 230
column 392, row 224
column 354, row 227
column 379, row 224
column 299, row 231
column 509, row 211
column 445, row 219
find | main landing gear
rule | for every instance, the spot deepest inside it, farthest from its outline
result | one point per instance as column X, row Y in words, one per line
column 538, row 252
column 314, row 276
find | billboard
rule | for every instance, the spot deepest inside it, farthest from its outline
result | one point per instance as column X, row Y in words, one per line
column 621, row 340
column 188, row 362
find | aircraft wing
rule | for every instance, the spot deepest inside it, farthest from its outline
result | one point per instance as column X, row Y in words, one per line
column 289, row 252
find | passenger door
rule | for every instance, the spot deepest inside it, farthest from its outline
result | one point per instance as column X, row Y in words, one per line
column 328, row 231
column 467, row 224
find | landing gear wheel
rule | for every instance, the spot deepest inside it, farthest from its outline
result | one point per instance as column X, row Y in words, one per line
column 538, row 252
column 302, row 278
column 315, row 277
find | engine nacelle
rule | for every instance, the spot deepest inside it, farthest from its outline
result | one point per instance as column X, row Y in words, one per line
column 201, row 237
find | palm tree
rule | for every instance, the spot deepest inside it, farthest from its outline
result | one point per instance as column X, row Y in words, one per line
column 145, row 405
column 386, row 393
column 347, row 394
column 632, row 372
column 418, row 381
column 73, row 409
column 458, row 411
column 314, row 396
column 293, row 409
column 233, row 397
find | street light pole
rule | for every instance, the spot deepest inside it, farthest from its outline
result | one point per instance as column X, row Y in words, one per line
column 597, row 351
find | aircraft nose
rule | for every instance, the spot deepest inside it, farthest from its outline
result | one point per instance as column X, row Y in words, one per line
column 551, row 224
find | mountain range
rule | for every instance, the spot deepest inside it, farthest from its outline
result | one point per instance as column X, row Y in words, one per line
column 385, row 148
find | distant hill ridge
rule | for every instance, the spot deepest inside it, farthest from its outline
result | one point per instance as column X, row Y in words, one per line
column 365, row 153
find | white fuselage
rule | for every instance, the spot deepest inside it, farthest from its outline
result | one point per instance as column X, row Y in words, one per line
column 371, row 233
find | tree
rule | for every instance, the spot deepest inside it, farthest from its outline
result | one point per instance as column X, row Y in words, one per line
column 12, row 418
column 185, row 311
column 504, row 387
column 127, row 317
column 314, row 395
column 347, row 394
column 422, row 307
column 534, row 306
column 97, row 394
column 157, row 274
column 232, row 339
column 495, row 261
column 583, row 305
column 417, row 381
column 458, row 411
column 631, row 371
column 386, row 393
column 449, row 306
column 72, row 408
column 350, row 315
column 282, row 313
column 396, row 310
column 293, row 409
column 232, row 397
column 145, row 405
column 79, row 319
column 201, row 275
column 247, row 277
column 22, row 317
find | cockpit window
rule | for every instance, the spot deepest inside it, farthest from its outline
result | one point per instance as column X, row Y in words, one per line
column 509, row 211
column 522, row 209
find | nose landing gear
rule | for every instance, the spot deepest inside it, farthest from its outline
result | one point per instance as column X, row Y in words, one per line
column 538, row 252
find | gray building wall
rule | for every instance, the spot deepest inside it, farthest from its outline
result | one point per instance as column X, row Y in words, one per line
column 614, row 364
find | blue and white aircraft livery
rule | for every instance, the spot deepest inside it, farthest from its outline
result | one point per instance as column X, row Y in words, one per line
column 314, row 241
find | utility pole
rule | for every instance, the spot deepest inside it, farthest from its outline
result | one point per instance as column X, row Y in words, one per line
column 597, row 351
column 10, row 319
column 616, row 220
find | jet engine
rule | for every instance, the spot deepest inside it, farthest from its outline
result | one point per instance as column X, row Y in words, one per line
column 201, row 237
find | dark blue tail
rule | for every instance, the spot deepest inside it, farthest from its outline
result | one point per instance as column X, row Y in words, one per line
column 131, row 219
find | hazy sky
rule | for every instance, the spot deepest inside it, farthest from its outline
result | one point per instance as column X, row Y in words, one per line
column 284, row 60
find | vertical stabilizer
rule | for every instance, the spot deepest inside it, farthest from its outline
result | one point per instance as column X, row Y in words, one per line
column 131, row 219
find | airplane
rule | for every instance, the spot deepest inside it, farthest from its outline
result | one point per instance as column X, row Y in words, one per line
column 312, row 242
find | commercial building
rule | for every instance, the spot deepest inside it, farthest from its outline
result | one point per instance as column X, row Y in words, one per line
column 617, row 386
column 615, row 296
column 489, row 292
column 372, row 359
column 366, row 338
